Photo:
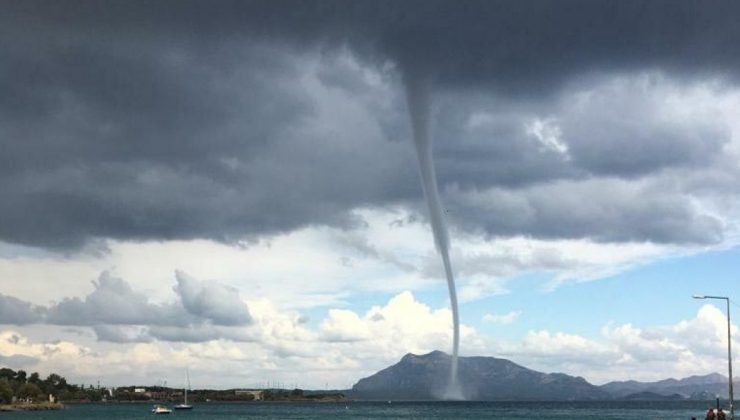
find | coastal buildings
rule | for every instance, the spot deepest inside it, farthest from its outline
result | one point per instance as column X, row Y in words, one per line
column 256, row 394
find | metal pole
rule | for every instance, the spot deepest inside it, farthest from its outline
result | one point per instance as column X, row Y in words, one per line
column 729, row 349
column 729, row 361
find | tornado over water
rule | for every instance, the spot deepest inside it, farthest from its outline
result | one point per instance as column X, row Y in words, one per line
column 417, row 96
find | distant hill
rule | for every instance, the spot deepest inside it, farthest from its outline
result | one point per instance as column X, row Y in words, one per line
column 652, row 396
column 695, row 387
column 425, row 377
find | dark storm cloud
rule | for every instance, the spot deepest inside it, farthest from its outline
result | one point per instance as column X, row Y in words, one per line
column 143, row 176
column 632, row 128
column 511, row 44
column 598, row 164
column 163, row 120
column 607, row 126
column 605, row 210
column 483, row 143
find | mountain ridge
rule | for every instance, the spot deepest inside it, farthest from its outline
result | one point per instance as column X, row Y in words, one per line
column 425, row 377
column 713, row 383
column 485, row 378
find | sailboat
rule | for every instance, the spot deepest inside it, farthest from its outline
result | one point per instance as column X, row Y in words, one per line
column 185, row 405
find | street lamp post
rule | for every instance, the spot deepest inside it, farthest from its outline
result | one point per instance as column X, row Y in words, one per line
column 729, row 348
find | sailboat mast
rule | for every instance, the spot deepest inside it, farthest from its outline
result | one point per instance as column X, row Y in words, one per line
column 187, row 373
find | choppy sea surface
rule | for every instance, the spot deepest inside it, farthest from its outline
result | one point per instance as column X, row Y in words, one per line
column 383, row 410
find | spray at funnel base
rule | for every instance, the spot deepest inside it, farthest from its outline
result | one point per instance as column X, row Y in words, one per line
column 417, row 95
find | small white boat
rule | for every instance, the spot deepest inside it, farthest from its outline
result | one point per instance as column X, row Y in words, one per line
column 160, row 409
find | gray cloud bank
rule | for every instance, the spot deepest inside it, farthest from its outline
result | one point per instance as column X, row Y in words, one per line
column 203, row 311
column 228, row 120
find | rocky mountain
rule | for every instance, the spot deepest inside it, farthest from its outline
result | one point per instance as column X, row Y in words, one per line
column 691, row 387
column 425, row 377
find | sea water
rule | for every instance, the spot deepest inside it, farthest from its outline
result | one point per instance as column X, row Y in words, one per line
column 664, row 410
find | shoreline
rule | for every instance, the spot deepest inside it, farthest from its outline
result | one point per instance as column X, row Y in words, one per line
column 31, row 406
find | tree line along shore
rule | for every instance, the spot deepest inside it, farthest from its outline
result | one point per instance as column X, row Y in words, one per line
column 21, row 391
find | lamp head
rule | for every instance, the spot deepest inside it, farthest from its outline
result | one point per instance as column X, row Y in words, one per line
column 699, row 297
